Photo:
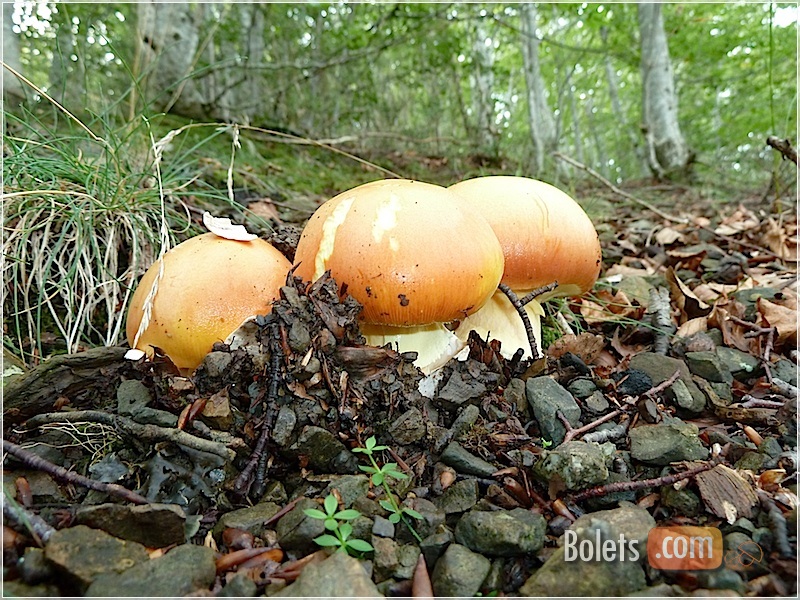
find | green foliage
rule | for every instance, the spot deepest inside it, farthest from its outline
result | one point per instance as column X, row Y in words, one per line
column 336, row 522
column 380, row 477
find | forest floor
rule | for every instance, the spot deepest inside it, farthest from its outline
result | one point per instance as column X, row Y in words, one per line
column 667, row 397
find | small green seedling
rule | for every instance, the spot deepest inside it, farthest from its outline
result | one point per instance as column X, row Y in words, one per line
column 379, row 476
column 341, row 531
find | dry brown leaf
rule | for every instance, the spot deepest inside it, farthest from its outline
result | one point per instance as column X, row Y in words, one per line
column 782, row 318
column 741, row 220
column 689, row 304
column 667, row 236
column 732, row 333
column 265, row 209
column 692, row 326
column 623, row 349
column 781, row 240
column 586, row 345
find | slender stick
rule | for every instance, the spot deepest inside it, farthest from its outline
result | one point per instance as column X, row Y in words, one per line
column 520, row 308
column 37, row 462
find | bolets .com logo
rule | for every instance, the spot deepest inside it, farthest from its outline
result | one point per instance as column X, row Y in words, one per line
column 684, row 548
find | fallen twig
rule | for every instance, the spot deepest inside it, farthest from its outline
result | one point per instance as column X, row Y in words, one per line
column 657, row 211
column 520, row 308
column 147, row 432
column 256, row 464
column 661, row 318
column 779, row 386
column 629, row 486
column 35, row 461
column 39, row 529
column 777, row 523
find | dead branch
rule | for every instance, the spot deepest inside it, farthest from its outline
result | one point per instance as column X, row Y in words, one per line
column 618, row 190
column 145, row 432
column 779, row 386
column 35, row 461
column 520, row 307
column 62, row 375
column 657, row 211
column 629, row 486
column 572, row 432
column 255, row 470
column 777, row 523
column 784, row 147
column 15, row 513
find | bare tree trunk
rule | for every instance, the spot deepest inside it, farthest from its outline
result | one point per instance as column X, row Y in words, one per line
column 616, row 107
column 542, row 123
column 13, row 92
column 667, row 149
column 169, row 39
column 482, row 84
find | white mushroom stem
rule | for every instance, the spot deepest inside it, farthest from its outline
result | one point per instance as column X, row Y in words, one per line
column 499, row 320
column 434, row 343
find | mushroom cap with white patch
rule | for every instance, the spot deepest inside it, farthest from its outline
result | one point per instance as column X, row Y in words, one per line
column 410, row 252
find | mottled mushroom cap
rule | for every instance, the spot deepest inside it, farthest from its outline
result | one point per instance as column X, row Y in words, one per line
column 411, row 253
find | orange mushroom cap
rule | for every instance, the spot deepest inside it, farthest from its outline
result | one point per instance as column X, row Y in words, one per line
column 210, row 285
column 546, row 235
column 410, row 252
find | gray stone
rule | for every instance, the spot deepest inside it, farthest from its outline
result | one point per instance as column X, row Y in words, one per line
column 238, row 585
column 785, row 370
column 181, row 571
column 251, row 518
column 666, row 442
column 684, row 501
column 34, row 567
column 299, row 337
column 274, row 492
column 152, row 525
column 582, row 387
column 708, row 366
column 325, row 452
column 435, row 544
column 721, row 579
column 577, row 464
column 459, row 572
column 502, row 533
column 284, row 426
column 771, row 447
column 338, row 576
column 457, row 392
column 432, row 518
column 723, row 392
column 459, row 497
column 384, row 558
column 296, row 531
column 740, row 364
column 349, row 487
column 217, row 363
column 751, row 461
column 557, row 577
column 514, row 394
column 683, row 398
column 409, row 427
column 84, row 554
column 660, row 368
column 18, row 589
column 382, row 527
column 407, row 556
column 546, row 397
column 465, row 421
column 597, row 403
column 627, row 520
column 462, row 461
column 132, row 394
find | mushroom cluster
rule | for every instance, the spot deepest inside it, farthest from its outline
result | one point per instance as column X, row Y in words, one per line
column 424, row 261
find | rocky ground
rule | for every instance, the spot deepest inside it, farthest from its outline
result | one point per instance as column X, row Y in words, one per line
column 668, row 398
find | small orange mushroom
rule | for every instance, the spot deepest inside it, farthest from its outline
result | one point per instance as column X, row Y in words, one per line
column 210, row 285
column 546, row 236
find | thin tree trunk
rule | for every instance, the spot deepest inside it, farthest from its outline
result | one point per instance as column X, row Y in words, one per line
column 482, row 84
column 667, row 149
column 13, row 92
column 542, row 123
